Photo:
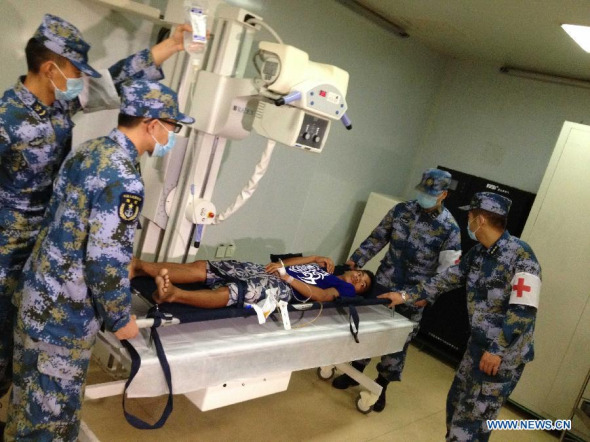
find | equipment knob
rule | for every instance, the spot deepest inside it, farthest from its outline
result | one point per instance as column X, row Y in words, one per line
column 306, row 136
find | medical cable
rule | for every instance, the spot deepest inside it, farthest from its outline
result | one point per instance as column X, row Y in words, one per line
column 250, row 188
column 266, row 26
column 299, row 300
column 282, row 272
column 313, row 320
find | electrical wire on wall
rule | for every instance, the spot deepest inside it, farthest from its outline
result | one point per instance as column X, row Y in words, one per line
column 250, row 188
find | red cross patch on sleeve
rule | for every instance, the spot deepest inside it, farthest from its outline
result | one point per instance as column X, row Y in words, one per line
column 526, row 289
column 448, row 258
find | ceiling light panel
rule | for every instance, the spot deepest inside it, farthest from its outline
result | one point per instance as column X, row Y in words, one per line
column 580, row 34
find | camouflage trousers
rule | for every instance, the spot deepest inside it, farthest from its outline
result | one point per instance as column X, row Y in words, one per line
column 392, row 365
column 15, row 248
column 475, row 397
column 255, row 278
column 47, row 392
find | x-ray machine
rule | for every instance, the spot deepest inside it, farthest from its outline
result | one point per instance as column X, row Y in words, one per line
column 292, row 101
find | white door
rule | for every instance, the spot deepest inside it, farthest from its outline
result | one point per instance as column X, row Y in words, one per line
column 558, row 230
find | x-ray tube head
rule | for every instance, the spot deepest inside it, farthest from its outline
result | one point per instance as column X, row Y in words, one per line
column 285, row 67
column 314, row 87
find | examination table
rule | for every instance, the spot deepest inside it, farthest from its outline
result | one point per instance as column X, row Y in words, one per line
column 224, row 361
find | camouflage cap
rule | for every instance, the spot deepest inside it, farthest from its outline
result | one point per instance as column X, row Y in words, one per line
column 434, row 181
column 65, row 39
column 491, row 202
column 151, row 99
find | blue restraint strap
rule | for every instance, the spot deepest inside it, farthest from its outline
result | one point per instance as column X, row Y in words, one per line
column 353, row 318
column 136, row 363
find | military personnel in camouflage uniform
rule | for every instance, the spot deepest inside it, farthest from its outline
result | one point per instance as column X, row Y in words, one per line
column 35, row 136
column 77, row 274
column 423, row 239
column 503, row 281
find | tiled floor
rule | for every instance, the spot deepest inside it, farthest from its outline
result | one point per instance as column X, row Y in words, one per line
column 310, row 410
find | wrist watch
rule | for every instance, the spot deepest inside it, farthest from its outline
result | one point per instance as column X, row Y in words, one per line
column 404, row 295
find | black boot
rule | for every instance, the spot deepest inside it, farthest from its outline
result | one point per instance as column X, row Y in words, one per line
column 380, row 404
column 344, row 381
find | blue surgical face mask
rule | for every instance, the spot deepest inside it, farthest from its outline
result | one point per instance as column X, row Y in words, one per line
column 470, row 233
column 74, row 86
column 162, row 149
column 426, row 201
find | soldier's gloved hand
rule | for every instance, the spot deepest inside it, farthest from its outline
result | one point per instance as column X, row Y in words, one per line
column 490, row 363
column 129, row 331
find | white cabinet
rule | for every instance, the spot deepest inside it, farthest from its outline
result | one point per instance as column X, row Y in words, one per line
column 377, row 207
column 558, row 230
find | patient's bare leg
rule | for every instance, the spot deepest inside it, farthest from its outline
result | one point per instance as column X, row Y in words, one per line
column 178, row 273
column 207, row 298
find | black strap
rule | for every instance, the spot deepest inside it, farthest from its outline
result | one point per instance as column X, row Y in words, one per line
column 353, row 318
column 241, row 293
column 136, row 363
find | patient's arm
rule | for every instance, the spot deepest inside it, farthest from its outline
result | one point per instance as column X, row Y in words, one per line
column 310, row 291
column 178, row 273
column 323, row 261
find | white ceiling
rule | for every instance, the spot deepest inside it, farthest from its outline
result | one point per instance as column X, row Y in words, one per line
column 524, row 34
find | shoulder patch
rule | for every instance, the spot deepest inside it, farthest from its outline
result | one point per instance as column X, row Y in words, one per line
column 129, row 206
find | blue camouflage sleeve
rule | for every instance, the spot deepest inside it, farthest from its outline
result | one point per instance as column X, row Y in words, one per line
column 453, row 242
column 378, row 239
column 519, row 318
column 135, row 67
column 4, row 142
column 450, row 279
column 110, row 247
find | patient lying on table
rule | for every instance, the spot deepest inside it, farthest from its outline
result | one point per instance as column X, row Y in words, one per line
column 308, row 277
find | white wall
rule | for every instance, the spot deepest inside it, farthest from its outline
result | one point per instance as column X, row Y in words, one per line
column 497, row 126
